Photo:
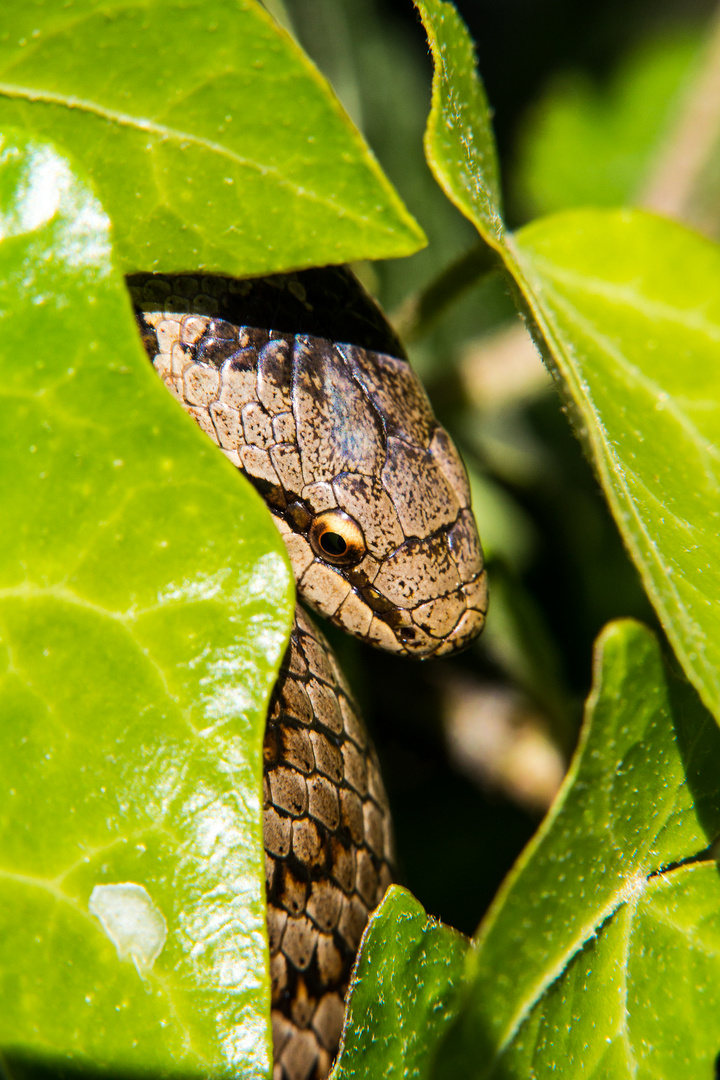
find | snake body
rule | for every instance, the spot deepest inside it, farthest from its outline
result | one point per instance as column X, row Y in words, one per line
column 328, row 848
column 373, row 504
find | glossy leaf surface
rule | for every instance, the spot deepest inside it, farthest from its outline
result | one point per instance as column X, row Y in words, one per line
column 212, row 141
column 144, row 602
column 404, row 991
column 600, row 956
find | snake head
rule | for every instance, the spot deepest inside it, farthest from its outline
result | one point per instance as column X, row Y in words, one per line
column 366, row 488
column 381, row 536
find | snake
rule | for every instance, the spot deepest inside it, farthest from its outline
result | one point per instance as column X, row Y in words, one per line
column 301, row 382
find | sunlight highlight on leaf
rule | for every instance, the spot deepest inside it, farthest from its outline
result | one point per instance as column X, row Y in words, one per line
column 145, row 599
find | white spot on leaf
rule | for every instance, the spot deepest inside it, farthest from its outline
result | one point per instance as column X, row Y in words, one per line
column 131, row 920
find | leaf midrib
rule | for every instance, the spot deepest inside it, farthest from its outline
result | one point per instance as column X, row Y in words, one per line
column 166, row 133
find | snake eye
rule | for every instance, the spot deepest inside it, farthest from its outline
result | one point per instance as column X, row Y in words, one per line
column 337, row 537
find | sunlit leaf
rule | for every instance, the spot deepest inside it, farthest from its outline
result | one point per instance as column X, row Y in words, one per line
column 626, row 310
column 600, row 956
column 211, row 139
column 459, row 142
column 144, row 601
column 629, row 308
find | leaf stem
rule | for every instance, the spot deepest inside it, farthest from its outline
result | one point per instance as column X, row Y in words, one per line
column 418, row 312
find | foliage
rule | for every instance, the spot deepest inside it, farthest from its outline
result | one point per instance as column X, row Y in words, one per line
column 141, row 95
column 145, row 601
column 145, row 598
column 569, row 973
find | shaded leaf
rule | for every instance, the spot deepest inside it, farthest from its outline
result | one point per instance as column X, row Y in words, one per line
column 404, row 991
column 211, row 139
column 144, row 602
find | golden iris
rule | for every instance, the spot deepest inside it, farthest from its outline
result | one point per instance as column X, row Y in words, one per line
column 337, row 538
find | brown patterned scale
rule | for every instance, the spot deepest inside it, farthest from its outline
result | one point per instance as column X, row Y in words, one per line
column 373, row 503
column 328, row 847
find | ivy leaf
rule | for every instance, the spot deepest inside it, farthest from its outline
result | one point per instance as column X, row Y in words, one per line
column 600, row 956
column 404, row 992
column 626, row 310
column 211, row 139
column 459, row 141
column 628, row 306
column 144, row 601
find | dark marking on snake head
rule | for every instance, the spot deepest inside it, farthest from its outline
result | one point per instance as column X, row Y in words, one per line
column 272, row 493
column 299, row 516
column 375, row 600
column 221, row 340
column 148, row 335
column 338, row 428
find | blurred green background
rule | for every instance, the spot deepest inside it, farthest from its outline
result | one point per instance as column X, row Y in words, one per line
column 585, row 100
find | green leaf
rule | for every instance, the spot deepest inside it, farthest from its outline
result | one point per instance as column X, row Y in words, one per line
column 459, row 142
column 144, row 602
column 649, row 980
column 600, row 956
column 404, row 991
column 211, row 139
column 629, row 307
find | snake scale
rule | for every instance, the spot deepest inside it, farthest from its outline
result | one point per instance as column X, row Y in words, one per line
column 324, row 415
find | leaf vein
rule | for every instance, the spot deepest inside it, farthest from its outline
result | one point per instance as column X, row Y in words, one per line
column 165, row 133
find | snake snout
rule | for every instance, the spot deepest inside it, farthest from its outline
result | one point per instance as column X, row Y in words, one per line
column 430, row 592
column 394, row 556
column 430, row 596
